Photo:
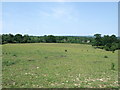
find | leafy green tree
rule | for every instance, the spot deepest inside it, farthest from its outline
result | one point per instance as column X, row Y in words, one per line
column 114, row 46
column 50, row 39
column 98, row 40
column 26, row 39
column 7, row 38
column 113, row 38
column 18, row 38
column 105, row 40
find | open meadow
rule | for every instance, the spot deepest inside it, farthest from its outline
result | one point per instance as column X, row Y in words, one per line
column 47, row 65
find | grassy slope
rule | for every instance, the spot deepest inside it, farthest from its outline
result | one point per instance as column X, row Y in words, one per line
column 47, row 65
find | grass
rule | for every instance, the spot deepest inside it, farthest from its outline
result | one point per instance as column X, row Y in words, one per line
column 47, row 65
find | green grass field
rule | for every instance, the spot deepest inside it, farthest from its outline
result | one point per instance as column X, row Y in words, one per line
column 47, row 65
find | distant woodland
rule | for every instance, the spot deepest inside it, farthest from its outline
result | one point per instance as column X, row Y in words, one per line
column 109, row 43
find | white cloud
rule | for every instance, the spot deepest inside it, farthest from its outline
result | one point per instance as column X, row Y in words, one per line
column 55, row 12
column 61, row 12
column 67, row 13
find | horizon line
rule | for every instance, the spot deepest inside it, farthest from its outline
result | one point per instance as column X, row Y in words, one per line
column 59, row 34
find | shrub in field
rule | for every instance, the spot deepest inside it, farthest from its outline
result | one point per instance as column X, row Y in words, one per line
column 112, row 66
column 14, row 55
column 65, row 50
column 8, row 63
column 105, row 56
column 46, row 57
column 31, row 60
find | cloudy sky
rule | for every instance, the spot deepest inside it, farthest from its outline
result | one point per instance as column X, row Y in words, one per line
column 60, row 18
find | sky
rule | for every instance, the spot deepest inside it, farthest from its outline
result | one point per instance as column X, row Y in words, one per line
column 60, row 18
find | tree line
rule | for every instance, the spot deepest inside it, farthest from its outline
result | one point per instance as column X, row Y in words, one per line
column 18, row 38
column 109, row 43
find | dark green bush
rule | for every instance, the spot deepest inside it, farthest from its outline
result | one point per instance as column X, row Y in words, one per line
column 105, row 56
column 8, row 63
column 14, row 55
column 112, row 66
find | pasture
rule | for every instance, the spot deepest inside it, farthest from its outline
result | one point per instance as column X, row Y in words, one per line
column 48, row 65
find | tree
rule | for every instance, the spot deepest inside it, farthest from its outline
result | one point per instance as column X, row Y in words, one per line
column 7, row 38
column 113, row 38
column 105, row 40
column 114, row 47
column 26, row 39
column 18, row 38
column 98, row 40
column 50, row 39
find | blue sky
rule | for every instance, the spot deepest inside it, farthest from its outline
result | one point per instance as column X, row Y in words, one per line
column 60, row 18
